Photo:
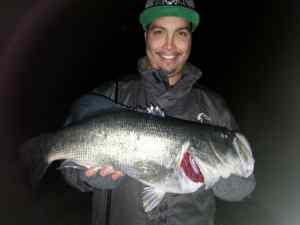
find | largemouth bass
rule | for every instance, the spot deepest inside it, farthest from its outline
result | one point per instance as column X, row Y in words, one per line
column 164, row 153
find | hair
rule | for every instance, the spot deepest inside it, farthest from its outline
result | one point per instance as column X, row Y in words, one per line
column 190, row 27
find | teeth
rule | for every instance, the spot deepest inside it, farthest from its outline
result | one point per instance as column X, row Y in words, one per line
column 168, row 56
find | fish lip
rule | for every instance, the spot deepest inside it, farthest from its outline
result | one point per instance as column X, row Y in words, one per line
column 244, row 151
column 191, row 168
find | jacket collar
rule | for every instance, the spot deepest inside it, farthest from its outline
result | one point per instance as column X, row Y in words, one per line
column 154, row 84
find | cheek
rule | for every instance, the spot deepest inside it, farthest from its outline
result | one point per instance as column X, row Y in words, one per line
column 184, row 46
column 154, row 45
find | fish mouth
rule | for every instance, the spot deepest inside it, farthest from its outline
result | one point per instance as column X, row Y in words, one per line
column 190, row 168
column 244, row 151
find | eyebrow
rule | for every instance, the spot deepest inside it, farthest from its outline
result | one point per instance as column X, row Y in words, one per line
column 185, row 28
column 163, row 28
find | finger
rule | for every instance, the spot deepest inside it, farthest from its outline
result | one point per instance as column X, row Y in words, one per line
column 116, row 175
column 106, row 170
column 92, row 171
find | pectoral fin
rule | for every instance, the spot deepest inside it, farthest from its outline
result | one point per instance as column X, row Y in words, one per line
column 72, row 164
column 151, row 198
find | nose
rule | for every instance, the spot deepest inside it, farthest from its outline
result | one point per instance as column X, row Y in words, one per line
column 169, row 42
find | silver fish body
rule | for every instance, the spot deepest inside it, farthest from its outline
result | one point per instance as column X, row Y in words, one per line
column 150, row 149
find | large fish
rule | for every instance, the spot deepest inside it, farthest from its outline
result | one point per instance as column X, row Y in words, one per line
column 164, row 153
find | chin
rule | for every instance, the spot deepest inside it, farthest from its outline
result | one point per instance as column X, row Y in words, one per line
column 169, row 69
column 169, row 72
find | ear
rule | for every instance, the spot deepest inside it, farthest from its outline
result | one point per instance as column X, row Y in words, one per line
column 145, row 35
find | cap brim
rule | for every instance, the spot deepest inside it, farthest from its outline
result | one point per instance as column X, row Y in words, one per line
column 151, row 14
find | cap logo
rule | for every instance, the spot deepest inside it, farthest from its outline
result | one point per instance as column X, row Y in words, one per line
column 171, row 2
column 185, row 3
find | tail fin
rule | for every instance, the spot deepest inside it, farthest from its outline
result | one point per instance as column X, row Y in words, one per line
column 33, row 157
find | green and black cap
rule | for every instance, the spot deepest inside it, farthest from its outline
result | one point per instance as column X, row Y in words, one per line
column 159, row 8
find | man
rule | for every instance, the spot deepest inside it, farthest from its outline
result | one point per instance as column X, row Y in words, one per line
column 167, row 80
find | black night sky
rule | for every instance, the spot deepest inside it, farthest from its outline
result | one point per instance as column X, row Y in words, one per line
column 53, row 51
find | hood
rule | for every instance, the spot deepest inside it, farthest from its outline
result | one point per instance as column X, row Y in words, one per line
column 156, row 87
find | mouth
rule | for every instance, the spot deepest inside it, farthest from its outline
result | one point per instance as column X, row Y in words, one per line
column 168, row 57
column 190, row 168
column 244, row 151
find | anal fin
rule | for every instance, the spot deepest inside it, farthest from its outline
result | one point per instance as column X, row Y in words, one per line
column 151, row 198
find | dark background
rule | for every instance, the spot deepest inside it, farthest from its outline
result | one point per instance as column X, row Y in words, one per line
column 52, row 51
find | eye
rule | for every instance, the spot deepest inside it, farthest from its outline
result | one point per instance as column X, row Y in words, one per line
column 157, row 31
column 183, row 33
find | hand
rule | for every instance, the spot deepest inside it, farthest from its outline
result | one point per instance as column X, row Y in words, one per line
column 104, row 171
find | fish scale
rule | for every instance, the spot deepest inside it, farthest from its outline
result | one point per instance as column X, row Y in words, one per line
column 147, row 148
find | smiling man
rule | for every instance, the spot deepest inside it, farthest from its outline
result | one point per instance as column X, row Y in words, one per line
column 168, row 45
column 167, row 80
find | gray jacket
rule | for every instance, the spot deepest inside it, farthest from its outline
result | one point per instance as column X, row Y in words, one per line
column 186, row 100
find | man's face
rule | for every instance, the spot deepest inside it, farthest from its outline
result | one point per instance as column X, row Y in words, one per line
column 168, row 45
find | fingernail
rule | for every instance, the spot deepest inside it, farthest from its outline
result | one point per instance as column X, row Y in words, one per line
column 115, row 176
column 89, row 173
column 106, row 171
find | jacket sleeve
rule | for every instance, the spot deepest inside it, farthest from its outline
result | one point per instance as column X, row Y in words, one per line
column 86, row 106
column 234, row 188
